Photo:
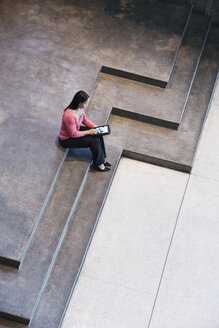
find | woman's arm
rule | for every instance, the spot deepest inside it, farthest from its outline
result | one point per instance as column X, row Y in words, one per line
column 87, row 122
column 70, row 123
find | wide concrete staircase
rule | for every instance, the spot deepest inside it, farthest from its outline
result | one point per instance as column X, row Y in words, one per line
column 156, row 116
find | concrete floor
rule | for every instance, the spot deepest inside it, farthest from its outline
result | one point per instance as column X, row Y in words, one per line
column 153, row 265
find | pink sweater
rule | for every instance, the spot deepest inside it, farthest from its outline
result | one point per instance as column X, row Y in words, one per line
column 71, row 125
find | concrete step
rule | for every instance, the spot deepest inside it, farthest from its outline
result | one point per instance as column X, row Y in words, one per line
column 20, row 249
column 66, row 269
column 158, row 34
column 22, row 208
column 179, row 147
column 163, row 107
column 68, row 262
column 20, row 290
column 175, row 147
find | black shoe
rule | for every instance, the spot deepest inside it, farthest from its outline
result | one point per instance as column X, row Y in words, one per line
column 103, row 170
column 107, row 164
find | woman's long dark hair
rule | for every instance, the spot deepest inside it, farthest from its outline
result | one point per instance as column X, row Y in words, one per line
column 79, row 97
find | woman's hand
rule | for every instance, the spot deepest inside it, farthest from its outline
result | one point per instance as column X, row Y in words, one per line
column 92, row 131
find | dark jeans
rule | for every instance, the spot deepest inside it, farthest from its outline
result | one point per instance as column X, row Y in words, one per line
column 94, row 142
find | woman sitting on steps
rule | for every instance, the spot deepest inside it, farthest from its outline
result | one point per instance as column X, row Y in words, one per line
column 73, row 135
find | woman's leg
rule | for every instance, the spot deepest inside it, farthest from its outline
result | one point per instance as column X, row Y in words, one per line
column 97, row 151
column 83, row 128
column 91, row 141
column 82, row 142
column 102, row 145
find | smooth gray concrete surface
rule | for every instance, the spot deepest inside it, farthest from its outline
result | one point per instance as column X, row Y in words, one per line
column 50, row 50
column 145, row 20
column 19, row 290
column 66, row 267
column 161, row 143
column 153, row 103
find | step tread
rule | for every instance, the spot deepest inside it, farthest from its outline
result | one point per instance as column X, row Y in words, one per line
column 168, row 105
column 159, row 37
column 20, row 289
column 20, row 209
column 180, row 146
column 74, row 244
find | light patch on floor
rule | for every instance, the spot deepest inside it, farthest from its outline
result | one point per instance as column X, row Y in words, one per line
column 120, row 277
column 189, row 293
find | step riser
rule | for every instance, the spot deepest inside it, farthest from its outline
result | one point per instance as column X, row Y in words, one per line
column 194, row 75
column 133, row 77
column 14, row 318
column 144, row 118
column 206, row 115
column 180, row 44
column 9, row 262
column 157, row 161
